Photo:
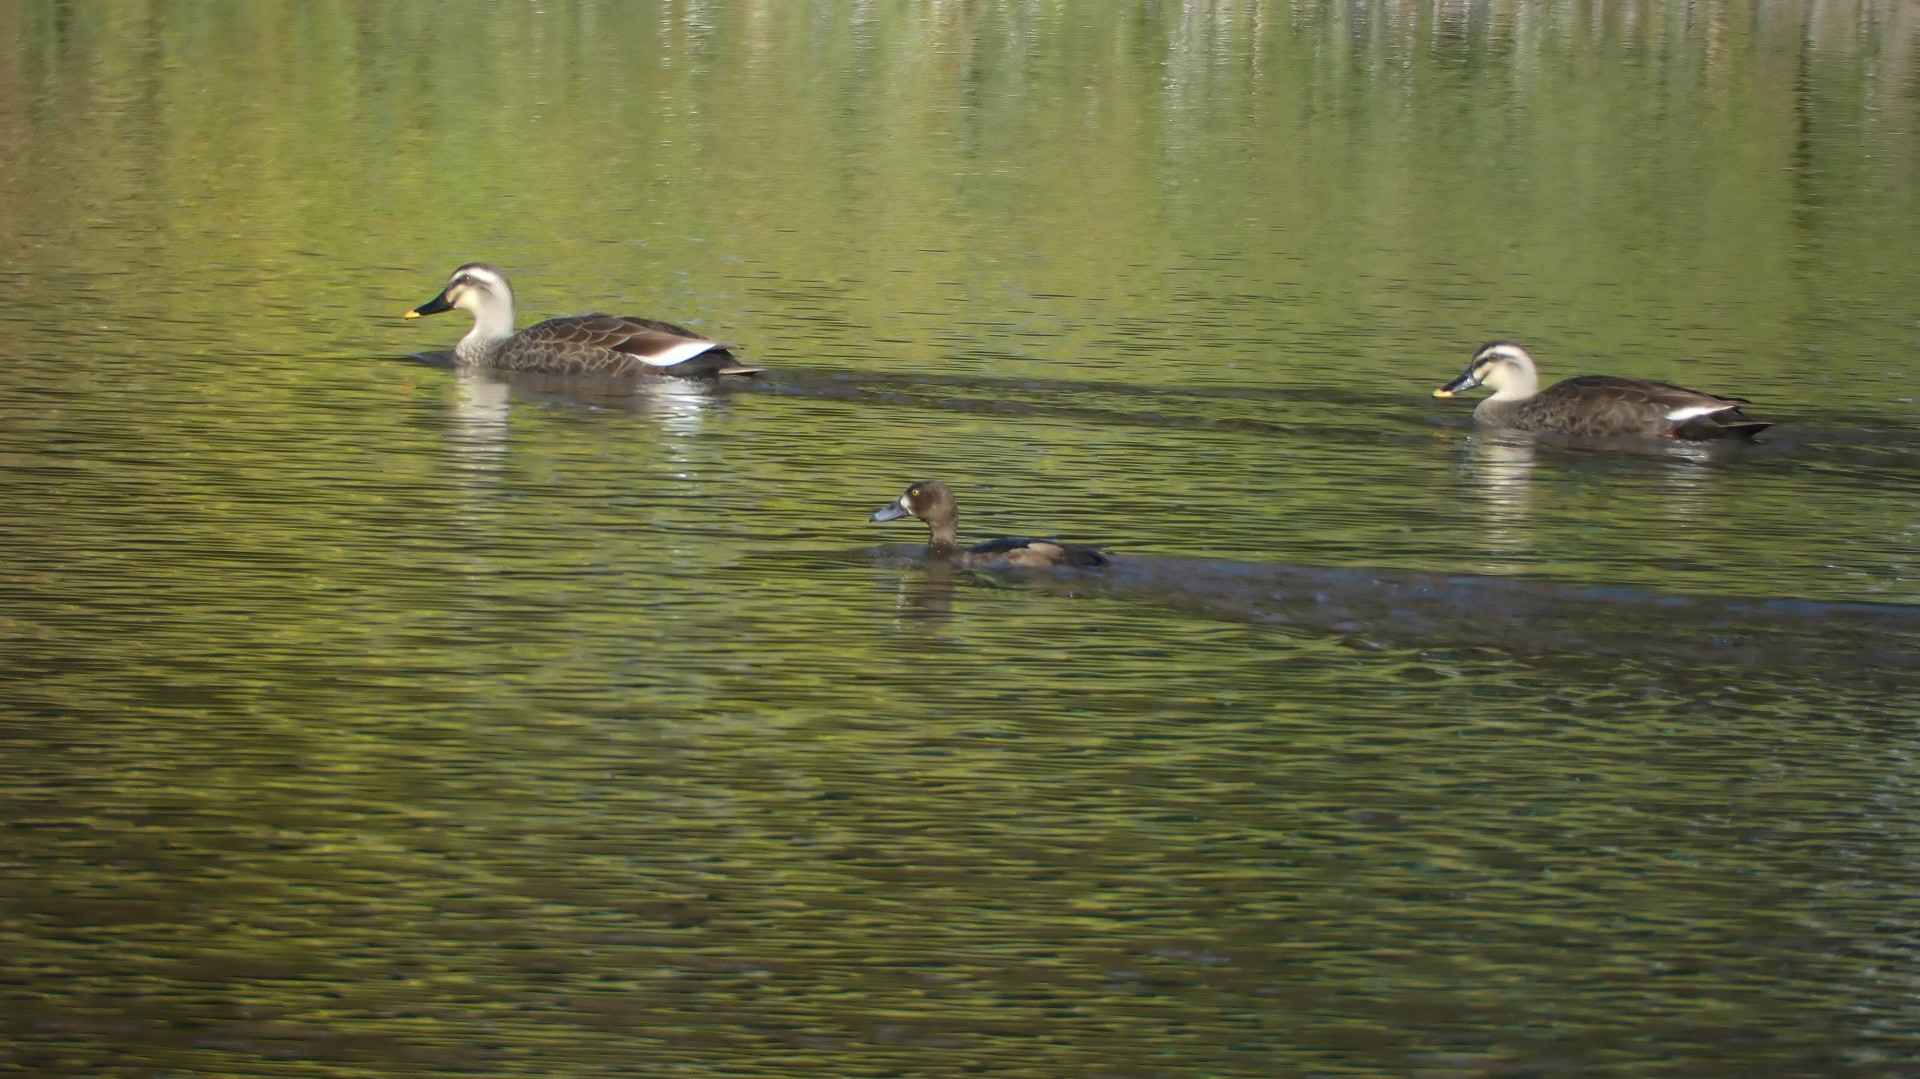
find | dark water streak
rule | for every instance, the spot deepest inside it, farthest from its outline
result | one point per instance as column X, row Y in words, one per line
column 1853, row 644
column 1334, row 412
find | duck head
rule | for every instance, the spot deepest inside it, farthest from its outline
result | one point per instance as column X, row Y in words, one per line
column 926, row 500
column 932, row 502
column 480, row 290
column 1503, row 367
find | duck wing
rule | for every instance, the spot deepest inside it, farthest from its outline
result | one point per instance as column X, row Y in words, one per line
column 1021, row 551
column 1610, row 405
column 618, row 340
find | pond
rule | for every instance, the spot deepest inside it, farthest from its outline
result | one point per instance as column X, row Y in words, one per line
column 366, row 717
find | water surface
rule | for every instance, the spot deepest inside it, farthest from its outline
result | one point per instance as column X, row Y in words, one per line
column 362, row 717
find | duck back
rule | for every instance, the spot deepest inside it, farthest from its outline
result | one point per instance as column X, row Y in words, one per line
column 614, row 345
column 1611, row 406
column 1021, row 551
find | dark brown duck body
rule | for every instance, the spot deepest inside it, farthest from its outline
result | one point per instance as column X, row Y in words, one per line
column 577, row 345
column 1595, row 405
column 611, row 345
column 933, row 502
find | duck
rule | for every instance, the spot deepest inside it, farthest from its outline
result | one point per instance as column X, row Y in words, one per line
column 1602, row 405
column 578, row 344
column 932, row 501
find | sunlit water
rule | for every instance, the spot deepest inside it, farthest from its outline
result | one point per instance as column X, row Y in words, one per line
column 364, row 718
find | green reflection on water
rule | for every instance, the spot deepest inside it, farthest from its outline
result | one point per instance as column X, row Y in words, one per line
column 369, row 720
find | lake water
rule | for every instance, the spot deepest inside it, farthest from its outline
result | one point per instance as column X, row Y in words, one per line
column 359, row 717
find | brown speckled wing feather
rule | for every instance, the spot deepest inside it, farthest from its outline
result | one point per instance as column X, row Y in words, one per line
column 1605, row 405
column 602, row 344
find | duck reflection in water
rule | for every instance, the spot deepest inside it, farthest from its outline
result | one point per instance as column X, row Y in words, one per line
column 1500, row 465
column 1501, row 470
column 930, row 589
column 484, row 397
column 480, row 407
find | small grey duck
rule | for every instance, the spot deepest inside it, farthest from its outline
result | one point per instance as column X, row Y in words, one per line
column 579, row 344
column 932, row 502
column 1602, row 405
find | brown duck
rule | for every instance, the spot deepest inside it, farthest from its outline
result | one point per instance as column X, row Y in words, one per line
column 1594, row 404
column 577, row 345
column 932, row 502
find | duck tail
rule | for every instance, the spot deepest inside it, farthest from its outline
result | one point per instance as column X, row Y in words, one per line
column 1732, row 425
column 1082, row 556
column 1746, row 429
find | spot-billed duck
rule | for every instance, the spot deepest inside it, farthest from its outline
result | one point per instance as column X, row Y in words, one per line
column 579, row 344
column 1594, row 404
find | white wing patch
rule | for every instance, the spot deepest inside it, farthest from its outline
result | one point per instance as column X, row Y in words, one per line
column 1690, row 411
column 680, row 353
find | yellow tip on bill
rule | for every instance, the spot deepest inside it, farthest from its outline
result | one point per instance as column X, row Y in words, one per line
column 1441, row 392
column 411, row 314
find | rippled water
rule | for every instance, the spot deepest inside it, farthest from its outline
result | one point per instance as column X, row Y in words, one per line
column 364, row 718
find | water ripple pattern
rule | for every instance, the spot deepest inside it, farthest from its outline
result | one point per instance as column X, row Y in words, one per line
column 360, row 716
